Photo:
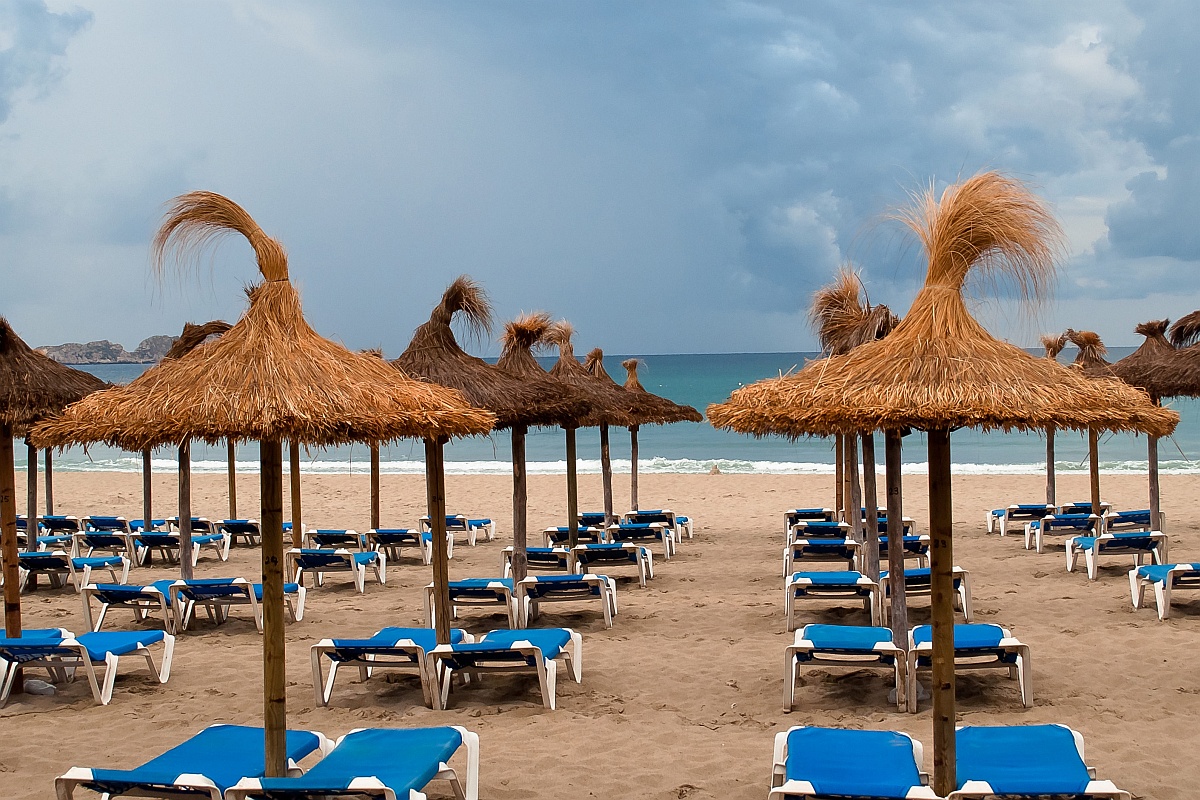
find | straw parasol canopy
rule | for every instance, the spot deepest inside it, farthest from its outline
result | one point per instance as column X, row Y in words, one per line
column 645, row 408
column 940, row 369
column 33, row 385
column 434, row 355
column 611, row 404
column 1149, row 366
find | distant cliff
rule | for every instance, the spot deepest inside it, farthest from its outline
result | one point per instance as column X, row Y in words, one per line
column 105, row 352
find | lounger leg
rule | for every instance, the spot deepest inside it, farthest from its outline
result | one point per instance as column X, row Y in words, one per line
column 548, row 678
column 381, row 569
column 791, row 671
column 314, row 659
column 901, row 684
column 788, row 612
column 1025, row 676
column 1092, row 557
column 575, row 657
column 360, row 577
column 964, row 595
column 1162, row 593
column 1136, row 589
column 1072, row 554
column 911, row 681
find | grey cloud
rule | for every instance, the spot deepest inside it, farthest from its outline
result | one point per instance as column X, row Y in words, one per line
column 37, row 42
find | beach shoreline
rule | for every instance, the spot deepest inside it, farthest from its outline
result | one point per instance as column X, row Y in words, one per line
column 688, row 681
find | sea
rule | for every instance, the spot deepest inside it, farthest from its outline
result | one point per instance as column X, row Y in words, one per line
column 696, row 380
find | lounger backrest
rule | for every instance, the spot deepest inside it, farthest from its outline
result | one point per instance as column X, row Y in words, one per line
column 852, row 763
column 1022, row 759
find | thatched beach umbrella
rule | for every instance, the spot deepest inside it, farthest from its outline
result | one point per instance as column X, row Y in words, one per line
column 1053, row 345
column 270, row 378
column 940, row 369
column 654, row 410
column 1091, row 362
column 611, row 405
column 32, row 386
column 1149, row 367
column 518, row 402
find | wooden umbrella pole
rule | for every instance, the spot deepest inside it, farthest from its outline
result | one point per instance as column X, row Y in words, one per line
column 1050, row 466
column 1094, row 467
column 572, row 492
column 232, row 469
column 435, row 489
column 1152, row 464
column 185, row 510
column 871, row 502
column 520, row 505
column 853, row 492
column 297, row 512
column 274, row 663
column 147, row 492
column 8, row 536
column 838, row 484
column 633, row 468
column 375, row 486
column 606, row 475
column 941, row 529
column 31, row 500
column 49, row 481
column 892, row 451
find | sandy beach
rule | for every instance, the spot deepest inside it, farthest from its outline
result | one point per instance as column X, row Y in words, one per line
column 681, row 698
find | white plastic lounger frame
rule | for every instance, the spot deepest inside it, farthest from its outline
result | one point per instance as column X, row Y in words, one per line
column 528, row 654
column 339, row 560
column 656, row 531
column 809, row 584
column 183, row 608
column 1037, row 531
column 1009, row 653
column 635, row 554
column 393, row 541
column 557, row 536
column 460, row 523
column 679, row 524
column 61, row 568
column 1174, row 578
column 814, row 550
column 557, row 560
column 70, row 655
column 403, row 654
column 586, row 588
column 1018, row 513
column 141, row 600
column 960, row 581
column 883, row 653
column 1116, row 544
column 486, row 594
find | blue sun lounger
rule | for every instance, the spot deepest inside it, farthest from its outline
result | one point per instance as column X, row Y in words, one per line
column 834, row 583
column 537, row 589
column 1127, row 521
column 394, row 541
column 1166, row 579
column 110, row 534
column 248, row 529
column 458, row 523
column 852, row 646
column 334, row 538
column 390, row 648
column 300, row 561
column 643, row 533
column 617, row 554
column 218, row 595
column 139, row 525
column 678, row 523
column 541, row 559
column 60, row 568
column 534, row 650
column 1025, row 761
column 1069, row 524
column 919, row 583
column 488, row 592
column 56, row 530
column 387, row 763
column 820, row 549
column 585, row 534
column 794, row 515
column 811, row 763
column 64, row 658
column 1084, row 507
column 914, row 547
column 592, row 519
column 999, row 519
column 1136, row 544
column 977, row 646
column 167, row 545
column 205, row 765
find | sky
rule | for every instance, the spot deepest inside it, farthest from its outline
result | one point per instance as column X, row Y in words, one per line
column 669, row 176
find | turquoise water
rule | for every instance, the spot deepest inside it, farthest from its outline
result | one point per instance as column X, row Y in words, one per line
column 696, row 380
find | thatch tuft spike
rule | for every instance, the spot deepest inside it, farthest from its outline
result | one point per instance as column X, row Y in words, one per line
column 194, row 335
column 1186, row 330
column 526, row 332
column 559, row 334
column 1153, row 328
column 195, row 220
column 468, row 297
column 1054, row 344
column 990, row 224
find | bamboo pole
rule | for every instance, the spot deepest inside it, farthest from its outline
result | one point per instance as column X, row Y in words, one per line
column 294, row 476
column 871, row 501
column 147, row 493
column 941, row 529
column 375, row 485
column 572, row 492
column 274, row 654
column 633, row 467
column 31, row 496
column 520, row 561
column 892, row 452
column 1050, row 466
column 839, row 486
column 49, row 481
column 8, row 536
column 435, row 489
column 1094, row 467
column 606, row 475
column 232, row 461
column 185, row 510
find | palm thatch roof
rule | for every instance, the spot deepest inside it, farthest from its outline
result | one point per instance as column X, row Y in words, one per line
column 611, row 405
column 1148, row 367
column 1186, row 330
column 844, row 319
column 647, row 408
column 434, row 355
column 270, row 377
column 33, row 385
column 194, row 335
column 940, row 368
column 521, row 337
column 1167, row 368
column 1090, row 358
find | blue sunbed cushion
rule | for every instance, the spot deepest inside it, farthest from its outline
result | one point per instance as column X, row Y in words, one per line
column 835, row 762
column 404, row 760
column 970, row 636
column 43, row 560
column 847, row 637
column 288, row 588
column 35, row 633
column 118, row 643
column 830, row 578
column 1159, row 573
column 1021, row 759
column 207, row 538
column 96, row 561
column 550, row 641
column 1139, row 541
column 222, row 753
